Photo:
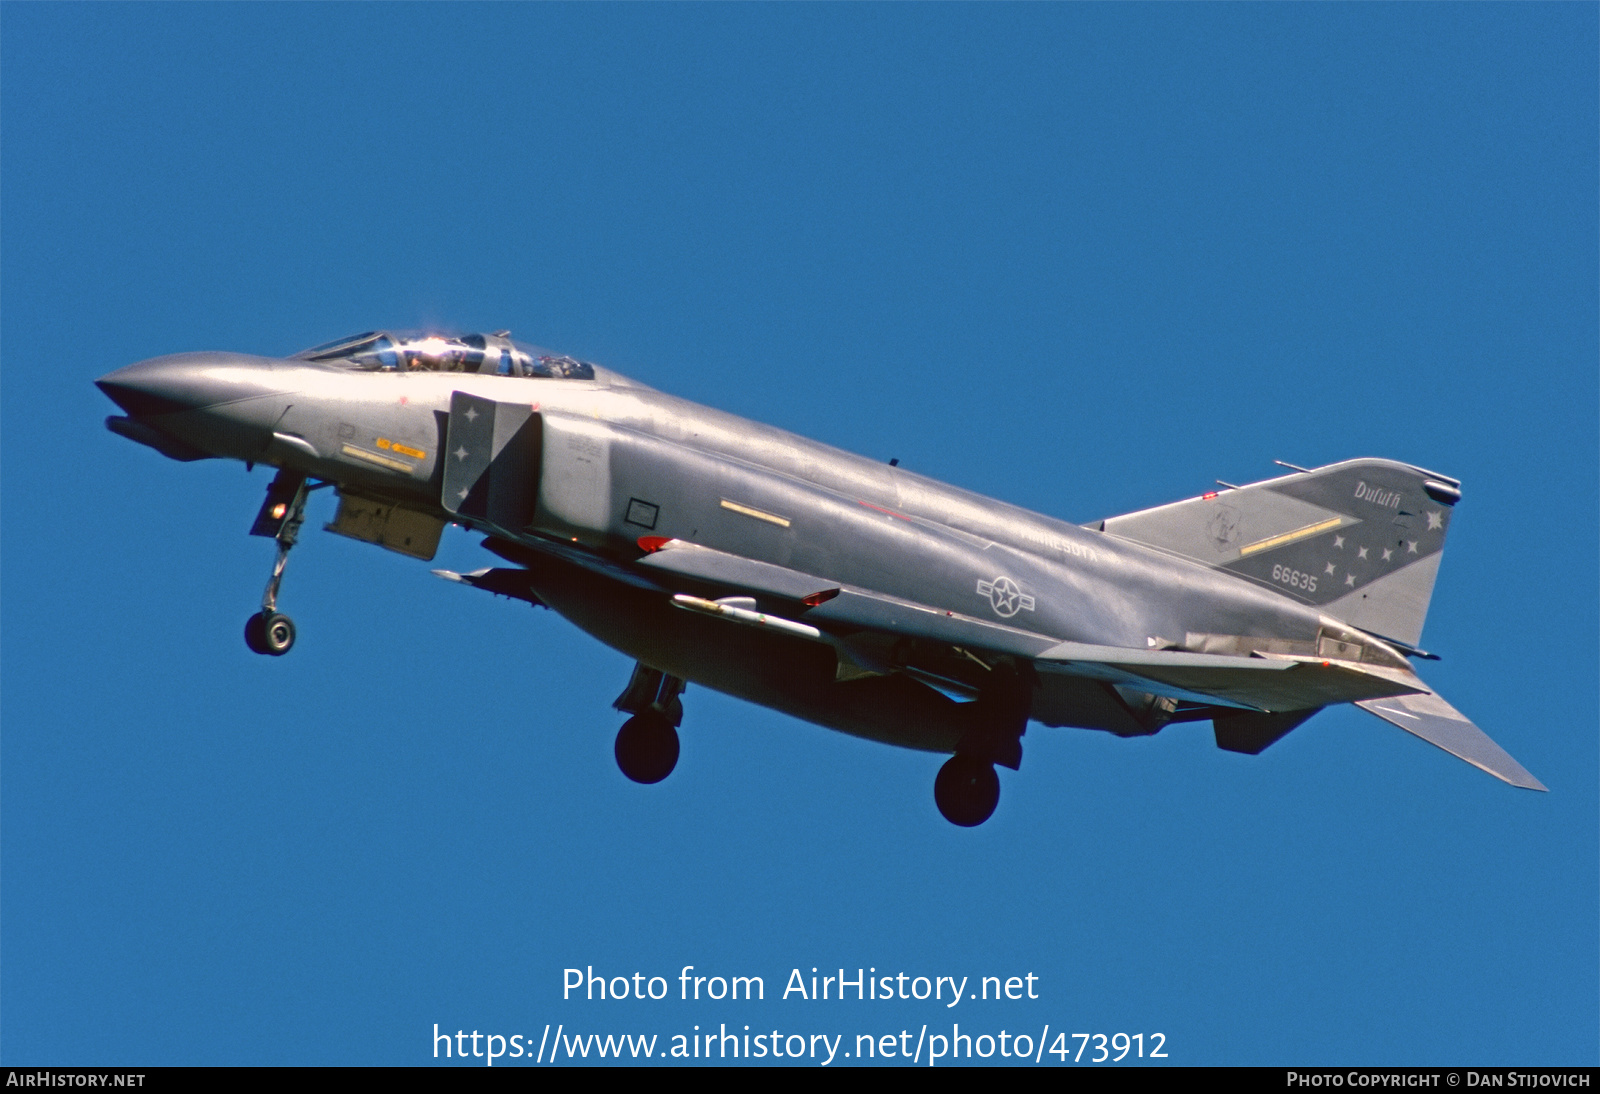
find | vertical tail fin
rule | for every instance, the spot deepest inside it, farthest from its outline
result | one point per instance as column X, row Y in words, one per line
column 1360, row 539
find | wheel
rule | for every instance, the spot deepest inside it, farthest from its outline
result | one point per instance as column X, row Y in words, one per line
column 278, row 634
column 647, row 748
column 255, row 633
column 966, row 791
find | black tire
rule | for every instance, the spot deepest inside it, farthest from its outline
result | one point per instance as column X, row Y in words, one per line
column 255, row 633
column 966, row 791
column 647, row 748
column 277, row 634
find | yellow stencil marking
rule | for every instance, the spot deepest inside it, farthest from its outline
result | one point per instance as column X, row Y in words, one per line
column 1290, row 537
column 373, row 457
column 404, row 450
column 770, row 518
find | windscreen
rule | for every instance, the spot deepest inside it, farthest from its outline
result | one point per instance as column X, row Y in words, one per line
column 432, row 351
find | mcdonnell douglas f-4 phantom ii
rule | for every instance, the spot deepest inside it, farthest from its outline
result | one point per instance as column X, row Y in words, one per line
column 841, row 590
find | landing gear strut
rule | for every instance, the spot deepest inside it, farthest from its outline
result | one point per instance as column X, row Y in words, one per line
column 647, row 744
column 270, row 631
column 967, row 788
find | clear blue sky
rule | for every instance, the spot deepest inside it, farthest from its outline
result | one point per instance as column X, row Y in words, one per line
column 1085, row 258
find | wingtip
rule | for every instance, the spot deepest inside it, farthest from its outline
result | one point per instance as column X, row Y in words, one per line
column 1514, row 775
column 1522, row 781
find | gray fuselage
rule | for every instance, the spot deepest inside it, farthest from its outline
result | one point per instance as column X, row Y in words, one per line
column 614, row 461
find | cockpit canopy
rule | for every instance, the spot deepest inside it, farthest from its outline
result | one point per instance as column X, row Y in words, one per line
column 433, row 351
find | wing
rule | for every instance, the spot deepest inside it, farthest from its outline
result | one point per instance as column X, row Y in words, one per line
column 851, row 618
column 1267, row 682
column 872, row 633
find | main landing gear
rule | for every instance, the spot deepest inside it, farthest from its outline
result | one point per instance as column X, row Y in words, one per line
column 966, row 791
column 967, row 788
column 269, row 631
column 647, row 743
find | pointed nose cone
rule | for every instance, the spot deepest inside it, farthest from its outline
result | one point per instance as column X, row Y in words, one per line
column 194, row 404
column 184, row 381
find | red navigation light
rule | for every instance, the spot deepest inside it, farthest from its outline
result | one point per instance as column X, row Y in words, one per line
column 819, row 598
column 651, row 544
column 1208, row 496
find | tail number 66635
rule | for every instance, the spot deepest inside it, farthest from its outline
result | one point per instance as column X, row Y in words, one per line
column 1295, row 578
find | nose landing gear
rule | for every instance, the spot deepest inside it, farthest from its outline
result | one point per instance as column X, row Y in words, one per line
column 269, row 631
column 647, row 744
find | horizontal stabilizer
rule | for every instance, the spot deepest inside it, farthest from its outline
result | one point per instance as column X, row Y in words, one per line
column 1437, row 722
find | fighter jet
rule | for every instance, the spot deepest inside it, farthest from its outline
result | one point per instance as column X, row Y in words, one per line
column 844, row 591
